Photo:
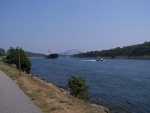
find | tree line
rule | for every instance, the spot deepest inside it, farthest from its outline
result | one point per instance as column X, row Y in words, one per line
column 128, row 51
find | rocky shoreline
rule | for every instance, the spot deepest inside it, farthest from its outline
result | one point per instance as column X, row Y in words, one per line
column 100, row 108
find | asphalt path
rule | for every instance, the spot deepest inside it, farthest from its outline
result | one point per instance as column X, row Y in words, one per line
column 12, row 98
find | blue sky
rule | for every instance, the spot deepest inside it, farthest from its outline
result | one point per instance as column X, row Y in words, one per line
column 58, row 25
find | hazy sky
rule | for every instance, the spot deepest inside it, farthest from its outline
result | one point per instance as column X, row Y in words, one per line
column 58, row 25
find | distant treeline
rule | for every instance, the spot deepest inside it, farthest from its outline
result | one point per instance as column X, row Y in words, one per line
column 139, row 50
column 29, row 54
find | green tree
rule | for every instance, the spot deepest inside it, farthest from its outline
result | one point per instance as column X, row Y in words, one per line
column 78, row 88
column 2, row 52
column 13, row 55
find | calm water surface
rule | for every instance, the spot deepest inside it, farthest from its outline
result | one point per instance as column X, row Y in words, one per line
column 123, row 85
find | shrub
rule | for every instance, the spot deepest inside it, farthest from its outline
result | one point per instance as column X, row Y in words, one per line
column 78, row 88
column 12, row 57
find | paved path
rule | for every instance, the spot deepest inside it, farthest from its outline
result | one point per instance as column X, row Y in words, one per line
column 12, row 98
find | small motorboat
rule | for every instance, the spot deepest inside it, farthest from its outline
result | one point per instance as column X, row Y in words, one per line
column 99, row 59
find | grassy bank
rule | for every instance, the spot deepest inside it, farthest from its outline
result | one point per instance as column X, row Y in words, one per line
column 47, row 96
